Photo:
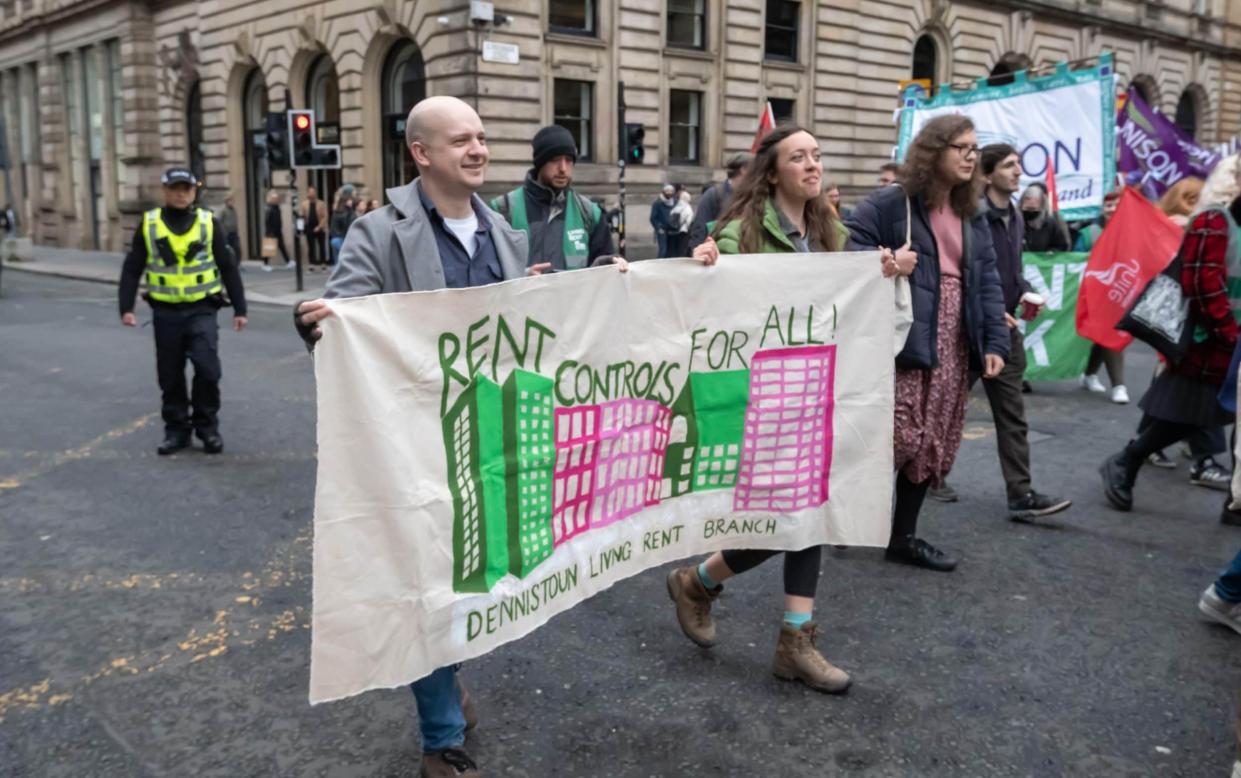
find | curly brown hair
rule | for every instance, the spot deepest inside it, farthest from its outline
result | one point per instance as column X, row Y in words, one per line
column 920, row 173
column 749, row 200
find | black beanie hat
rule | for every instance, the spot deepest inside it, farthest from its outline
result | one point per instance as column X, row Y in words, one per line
column 551, row 142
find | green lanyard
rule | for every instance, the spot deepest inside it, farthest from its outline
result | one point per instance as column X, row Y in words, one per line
column 576, row 251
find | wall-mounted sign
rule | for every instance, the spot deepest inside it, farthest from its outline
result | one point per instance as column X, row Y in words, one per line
column 504, row 53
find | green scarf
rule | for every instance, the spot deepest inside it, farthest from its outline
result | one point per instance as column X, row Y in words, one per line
column 576, row 239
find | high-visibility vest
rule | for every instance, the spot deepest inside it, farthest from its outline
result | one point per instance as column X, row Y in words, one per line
column 187, row 278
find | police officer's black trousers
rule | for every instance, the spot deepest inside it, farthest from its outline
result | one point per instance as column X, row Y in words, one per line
column 181, row 332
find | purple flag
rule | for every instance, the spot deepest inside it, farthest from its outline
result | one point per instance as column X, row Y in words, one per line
column 1154, row 153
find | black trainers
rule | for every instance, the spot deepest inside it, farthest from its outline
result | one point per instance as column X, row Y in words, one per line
column 944, row 493
column 1211, row 474
column 1034, row 505
column 919, row 553
column 173, row 444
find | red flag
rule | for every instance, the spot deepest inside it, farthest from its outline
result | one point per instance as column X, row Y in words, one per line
column 1051, row 185
column 766, row 123
column 1137, row 244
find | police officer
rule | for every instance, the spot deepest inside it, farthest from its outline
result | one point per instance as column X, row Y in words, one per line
column 188, row 266
column 566, row 230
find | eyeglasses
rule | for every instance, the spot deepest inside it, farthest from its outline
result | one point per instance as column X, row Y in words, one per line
column 964, row 150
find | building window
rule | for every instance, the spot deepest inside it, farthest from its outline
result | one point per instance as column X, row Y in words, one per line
column 782, row 110
column 258, row 177
column 783, row 21
column 323, row 97
column 113, row 52
column 404, row 85
column 576, row 17
column 194, row 133
column 684, row 127
column 69, row 104
column 93, row 129
column 573, row 109
column 687, row 23
column 925, row 61
column 1187, row 114
column 33, row 151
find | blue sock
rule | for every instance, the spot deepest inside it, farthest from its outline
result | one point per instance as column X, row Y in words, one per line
column 795, row 620
column 707, row 581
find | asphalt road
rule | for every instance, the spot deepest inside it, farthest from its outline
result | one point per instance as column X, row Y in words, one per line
column 154, row 611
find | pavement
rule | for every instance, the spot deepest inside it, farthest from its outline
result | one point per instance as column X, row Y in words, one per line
column 154, row 612
column 278, row 287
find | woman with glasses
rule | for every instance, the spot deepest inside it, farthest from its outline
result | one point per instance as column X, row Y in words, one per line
column 958, row 308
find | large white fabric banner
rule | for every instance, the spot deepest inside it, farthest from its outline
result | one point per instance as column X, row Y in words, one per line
column 1065, row 120
column 491, row 457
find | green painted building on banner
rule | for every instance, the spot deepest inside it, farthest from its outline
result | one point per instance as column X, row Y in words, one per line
column 498, row 442
column 712, row 407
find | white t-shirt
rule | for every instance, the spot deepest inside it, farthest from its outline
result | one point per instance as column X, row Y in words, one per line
column 466, row 231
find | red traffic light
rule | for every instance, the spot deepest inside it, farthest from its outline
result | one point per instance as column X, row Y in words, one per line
column 301, row 121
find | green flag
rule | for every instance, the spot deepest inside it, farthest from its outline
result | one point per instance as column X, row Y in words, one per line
column 1054, row 350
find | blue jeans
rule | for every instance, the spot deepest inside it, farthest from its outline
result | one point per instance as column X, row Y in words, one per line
column 440, row 718
column 661, row 243
column 336, row 242
column 1228, row 587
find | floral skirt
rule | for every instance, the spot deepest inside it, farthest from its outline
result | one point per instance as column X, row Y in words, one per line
column 930, row 404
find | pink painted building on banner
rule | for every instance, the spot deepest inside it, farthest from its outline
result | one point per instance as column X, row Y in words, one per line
column 786, row 455
column 632, row 447
column 577, row 444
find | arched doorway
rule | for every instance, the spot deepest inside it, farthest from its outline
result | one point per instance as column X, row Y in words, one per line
column 404, row 84
column 1006, row 69
column 926, row 61
column 323, row 97
column 1145, row 88
column 195, row 157
column 258, row 177
column 1187, row 114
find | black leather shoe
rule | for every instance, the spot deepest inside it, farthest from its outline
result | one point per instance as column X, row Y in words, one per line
column 212, row 442
column 1118, row 481
column 1034, row 505
column 1230, row 517
column 173, row 444
column 919, row 553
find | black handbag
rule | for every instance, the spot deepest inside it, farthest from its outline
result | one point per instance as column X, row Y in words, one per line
column 1160, row 315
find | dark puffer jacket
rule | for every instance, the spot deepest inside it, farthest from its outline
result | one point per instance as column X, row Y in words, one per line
column 880, row 221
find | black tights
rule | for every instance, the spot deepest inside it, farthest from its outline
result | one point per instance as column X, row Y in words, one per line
column 801, row 568
column 1157, row 435
column 909, row 497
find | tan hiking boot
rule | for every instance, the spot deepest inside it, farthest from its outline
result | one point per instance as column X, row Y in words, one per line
column 798, row 660
column 693, row 603
column 449, row 763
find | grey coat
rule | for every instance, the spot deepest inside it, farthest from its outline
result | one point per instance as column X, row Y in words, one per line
column 393, row 249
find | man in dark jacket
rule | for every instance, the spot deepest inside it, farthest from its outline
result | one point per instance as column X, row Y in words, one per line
column 1001, row 166
column 566, row 230
column 715, row 200
column 661, row 212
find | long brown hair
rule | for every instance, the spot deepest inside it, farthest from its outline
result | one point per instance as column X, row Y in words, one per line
column 920, row 173
column 749, row 200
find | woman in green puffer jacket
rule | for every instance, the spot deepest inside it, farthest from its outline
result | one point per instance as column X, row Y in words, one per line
column 777, row 208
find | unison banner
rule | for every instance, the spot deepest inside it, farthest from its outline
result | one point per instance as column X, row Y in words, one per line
column 1066, row 119
column 491, row 457
column 1155, row 152
column 1054, row 350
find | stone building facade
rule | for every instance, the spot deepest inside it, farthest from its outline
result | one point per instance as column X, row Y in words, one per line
column 98, row 96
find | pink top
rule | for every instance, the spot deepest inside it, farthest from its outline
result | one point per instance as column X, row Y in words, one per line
column 946, row 226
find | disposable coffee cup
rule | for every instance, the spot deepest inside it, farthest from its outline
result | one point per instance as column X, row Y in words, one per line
column 1033, row 299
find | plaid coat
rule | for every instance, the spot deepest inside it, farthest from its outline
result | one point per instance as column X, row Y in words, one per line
column 1204, row 276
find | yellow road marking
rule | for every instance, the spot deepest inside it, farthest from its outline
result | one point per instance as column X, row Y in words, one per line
column 81, row 452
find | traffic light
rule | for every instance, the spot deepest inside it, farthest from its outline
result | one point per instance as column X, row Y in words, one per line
column 307, row 152
column 277, row 141
column 635, row 134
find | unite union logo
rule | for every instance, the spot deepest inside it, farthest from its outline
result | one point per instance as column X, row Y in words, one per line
column 1121, row 280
